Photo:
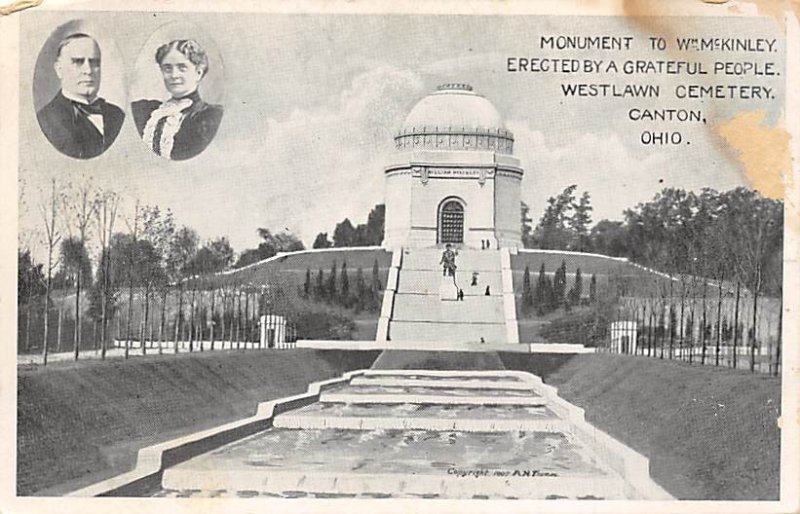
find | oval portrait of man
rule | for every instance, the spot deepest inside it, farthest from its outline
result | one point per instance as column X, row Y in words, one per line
column 176, row 92
column 78, row 90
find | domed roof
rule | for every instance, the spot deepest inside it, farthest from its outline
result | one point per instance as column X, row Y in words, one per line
column 456, row 106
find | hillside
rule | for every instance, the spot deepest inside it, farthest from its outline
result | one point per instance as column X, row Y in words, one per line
column 605, row 268
column 710, row 433
column 291, row 268
column 78, row 423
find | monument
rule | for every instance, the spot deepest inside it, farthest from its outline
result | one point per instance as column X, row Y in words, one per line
column 453, row 178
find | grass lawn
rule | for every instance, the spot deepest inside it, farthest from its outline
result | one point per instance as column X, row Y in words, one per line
column 634, row 279
column 291, row 269
column 710, row 433
column 78, row 423
column 589, row 263
column 443, row 360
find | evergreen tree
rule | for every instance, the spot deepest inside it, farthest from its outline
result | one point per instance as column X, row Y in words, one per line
column 552, row 231
column 593, row 288
column 344, row 293
column 579, row 223
column 376, row 299
column 560, row 285
column 319, row 290
column 331, row 289
column 307, row 284
column 577, row 289
column 345, row 234
column 527, row 230
column 360, row 299
column 549, row 295
column 376, row 277
column 726, row 330
column 322, row 241
column 30, row 279
column 96, row 292
column 375, row 225
column 527, row 294
column 540, row 293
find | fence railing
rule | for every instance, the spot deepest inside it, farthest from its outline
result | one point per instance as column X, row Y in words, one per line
column 750, row 355
column 252, row 333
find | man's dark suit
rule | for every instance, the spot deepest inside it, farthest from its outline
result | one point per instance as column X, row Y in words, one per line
column 72, row 133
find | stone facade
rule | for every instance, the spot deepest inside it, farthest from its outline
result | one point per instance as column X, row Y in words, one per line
column 453, row 178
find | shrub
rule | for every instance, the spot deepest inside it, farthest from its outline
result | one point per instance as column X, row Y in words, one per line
column 320, row 324
column 589, row 328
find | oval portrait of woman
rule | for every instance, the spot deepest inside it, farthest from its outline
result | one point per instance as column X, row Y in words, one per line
column 176, row 92
column 77, row 90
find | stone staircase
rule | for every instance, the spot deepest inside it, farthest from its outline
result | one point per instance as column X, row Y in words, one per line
column 425, row 307
column 422, row 434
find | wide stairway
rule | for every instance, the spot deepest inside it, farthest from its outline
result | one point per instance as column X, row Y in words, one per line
column 426, row 307
column 417, row 434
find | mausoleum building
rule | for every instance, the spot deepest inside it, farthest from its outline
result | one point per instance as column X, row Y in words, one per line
column 453, row 177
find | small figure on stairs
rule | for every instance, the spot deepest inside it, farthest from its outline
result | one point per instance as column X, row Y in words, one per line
column 474, row 279
column 487, row 293
column 460, row 295
column 448, row 261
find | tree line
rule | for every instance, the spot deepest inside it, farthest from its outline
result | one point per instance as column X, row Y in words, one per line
column 334, row 288
column 152, row 257
column 548, row 295
column 141, row 261
column 714, row 248
column 734, row 236
column 345, row 234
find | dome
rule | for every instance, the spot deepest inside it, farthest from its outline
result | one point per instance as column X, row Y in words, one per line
column 455, row 106
column 454, row 118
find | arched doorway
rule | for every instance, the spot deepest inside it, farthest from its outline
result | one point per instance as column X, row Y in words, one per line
column 451, row 222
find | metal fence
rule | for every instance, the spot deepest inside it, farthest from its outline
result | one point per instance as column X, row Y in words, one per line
column 699, row 331
column 244, row 323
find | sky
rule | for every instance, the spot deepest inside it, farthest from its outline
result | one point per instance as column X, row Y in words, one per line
column 312, row 104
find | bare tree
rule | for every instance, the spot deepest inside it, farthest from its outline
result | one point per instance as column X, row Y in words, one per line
column 133, row 228
column 50, row 214
column 80, row 208
column 105, row 216
column 182, row 249
column 158, row 228
column 211, row 318
column 703, row 334
column 27, row 242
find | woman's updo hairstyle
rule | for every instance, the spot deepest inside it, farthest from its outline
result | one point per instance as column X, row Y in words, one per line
column 188, row 47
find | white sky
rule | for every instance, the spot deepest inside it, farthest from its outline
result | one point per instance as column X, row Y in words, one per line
column 311, row 105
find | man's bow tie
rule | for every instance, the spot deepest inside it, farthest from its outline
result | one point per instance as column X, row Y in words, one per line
column 95, row 107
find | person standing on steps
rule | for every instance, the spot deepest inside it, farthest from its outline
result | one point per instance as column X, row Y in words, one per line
column 487, row 293
column 448, row 261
